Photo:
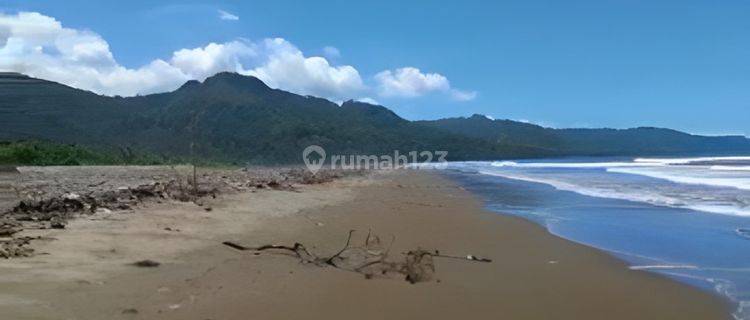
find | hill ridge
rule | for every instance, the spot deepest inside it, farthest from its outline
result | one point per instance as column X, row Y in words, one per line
column 236, row 118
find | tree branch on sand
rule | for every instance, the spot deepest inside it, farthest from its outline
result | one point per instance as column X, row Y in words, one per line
column 370, row 259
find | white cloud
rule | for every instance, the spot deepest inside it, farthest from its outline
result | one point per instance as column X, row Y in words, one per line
column 461, row 95
column 223, row 15
column 40, row 46
column 544, row 123
column 203, row 62
column 286, row 67
column 368, row 100
column 331, row 52
column 410, row 82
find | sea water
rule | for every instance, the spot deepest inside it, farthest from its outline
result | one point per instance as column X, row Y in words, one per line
column 686, row 218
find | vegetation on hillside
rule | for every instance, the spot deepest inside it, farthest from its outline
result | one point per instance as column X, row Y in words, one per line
column 40, row 153
column 238, row 120
column 640, row 141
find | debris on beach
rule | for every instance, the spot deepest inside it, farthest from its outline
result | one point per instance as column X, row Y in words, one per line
column 49, row 197
column 370, row 259
column 57, row 222
column 146, row 264
column 41, row 203
column 8, row 169
column 15, row 248
column 130, row 311
column 9, row 228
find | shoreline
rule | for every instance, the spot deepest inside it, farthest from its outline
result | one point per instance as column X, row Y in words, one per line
column 547, row 217
column 534, row 275
column 617, row 261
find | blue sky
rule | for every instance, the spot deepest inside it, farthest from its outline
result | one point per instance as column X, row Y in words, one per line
column 678, row 64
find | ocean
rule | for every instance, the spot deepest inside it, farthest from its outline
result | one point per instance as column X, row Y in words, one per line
column 686, row 218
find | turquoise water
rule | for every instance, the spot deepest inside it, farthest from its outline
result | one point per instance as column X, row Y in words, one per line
column 686, row 219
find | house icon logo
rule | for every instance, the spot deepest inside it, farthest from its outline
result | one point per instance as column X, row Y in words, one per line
column 314, row 157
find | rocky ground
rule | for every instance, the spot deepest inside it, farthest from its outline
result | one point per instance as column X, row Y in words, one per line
column 47, row 197
column 8, row 180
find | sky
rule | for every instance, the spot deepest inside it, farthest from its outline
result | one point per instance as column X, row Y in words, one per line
column 678, row 64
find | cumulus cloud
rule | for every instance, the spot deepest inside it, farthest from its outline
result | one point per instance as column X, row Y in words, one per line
column 286, row 67
column 203, row 62
column 410, row 82
column 331, row 52
column 40, row 46
column 223, row 15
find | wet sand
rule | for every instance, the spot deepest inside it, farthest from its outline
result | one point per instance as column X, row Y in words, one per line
column 534, row 275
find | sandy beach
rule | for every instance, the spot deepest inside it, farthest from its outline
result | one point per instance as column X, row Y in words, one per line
column 87, row 271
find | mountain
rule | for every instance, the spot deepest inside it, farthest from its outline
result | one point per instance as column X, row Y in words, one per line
column 227, row 117
column 592, row 142
column 239, row 119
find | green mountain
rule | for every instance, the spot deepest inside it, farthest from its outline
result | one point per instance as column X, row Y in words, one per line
column 228, row 117
column 238, row 119
column 592, row 142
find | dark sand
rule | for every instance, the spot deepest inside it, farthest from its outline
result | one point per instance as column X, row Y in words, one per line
column 534, row 275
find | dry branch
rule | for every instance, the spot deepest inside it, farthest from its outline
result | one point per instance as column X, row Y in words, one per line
column 370, row 260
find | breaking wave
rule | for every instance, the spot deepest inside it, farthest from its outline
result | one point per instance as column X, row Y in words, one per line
column 700, row 176
column 708, row 184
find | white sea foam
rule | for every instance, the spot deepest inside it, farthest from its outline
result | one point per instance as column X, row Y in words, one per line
column 730, row 168
column 660, row 266
column 699, row 171
column 638, row 162
column 636, row 194
column 672, row 161
column 592, row 192
column 690, row 176
column 567, row 164
column 742, row 310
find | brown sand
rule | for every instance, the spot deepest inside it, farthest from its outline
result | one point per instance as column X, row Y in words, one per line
column 534, row 274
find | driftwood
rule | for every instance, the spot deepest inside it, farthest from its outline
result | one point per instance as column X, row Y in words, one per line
column 371, row 259
column 146, row 264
